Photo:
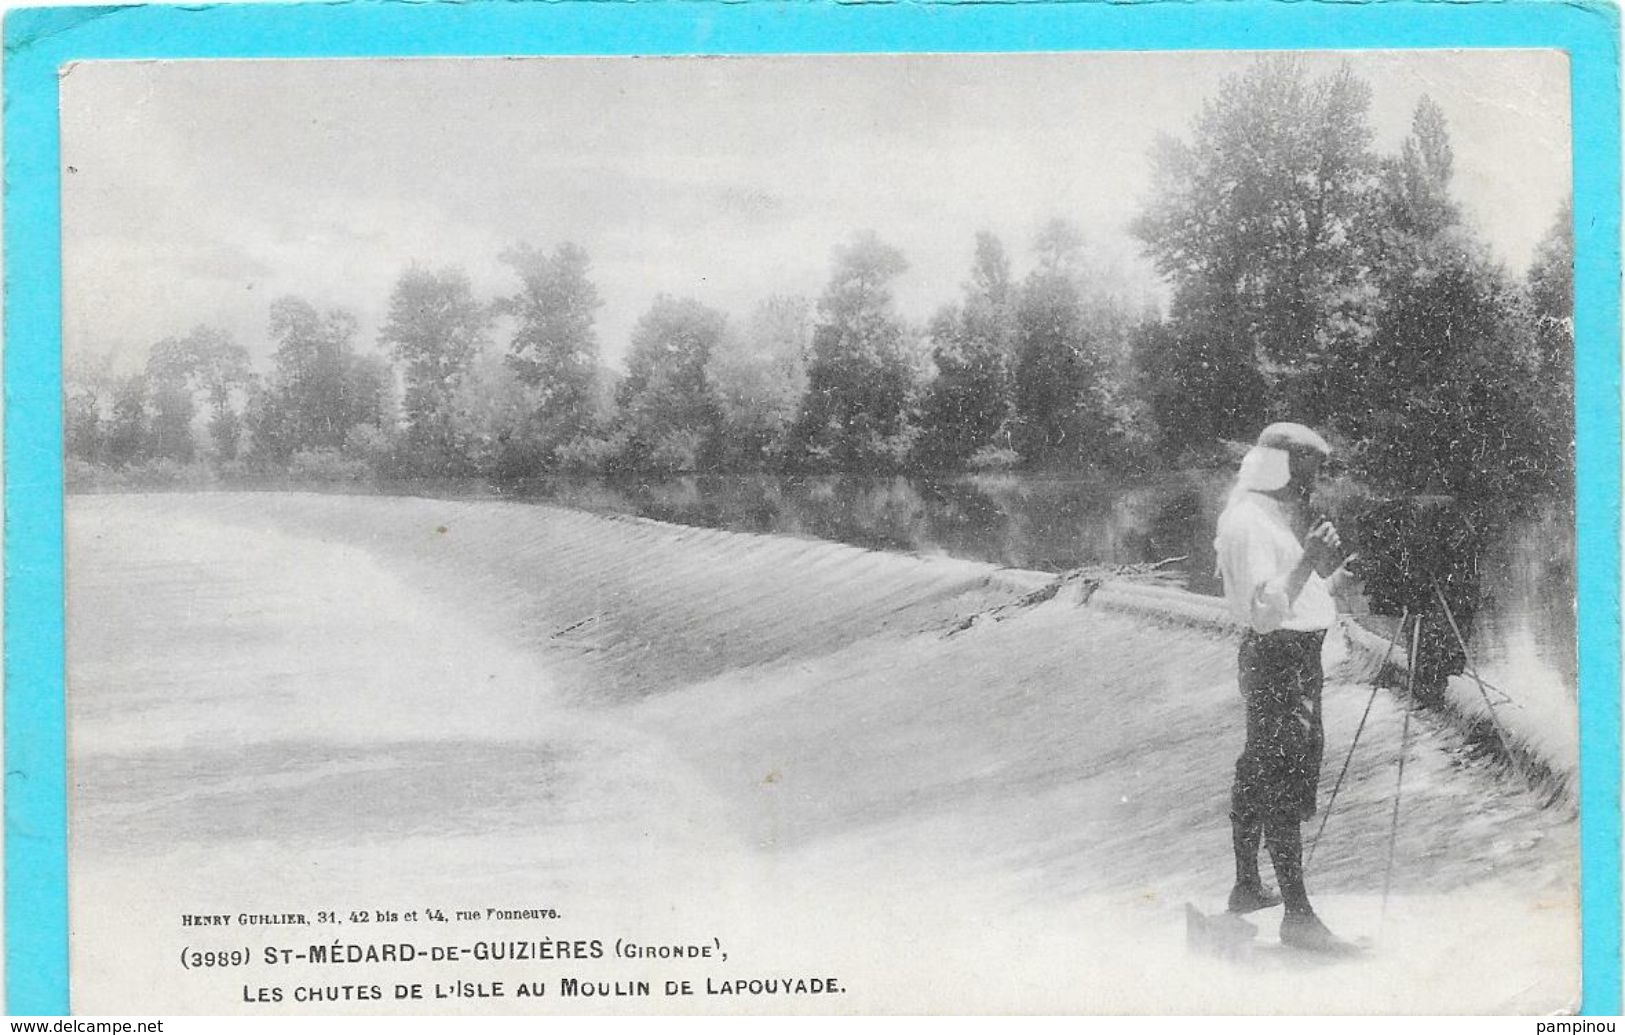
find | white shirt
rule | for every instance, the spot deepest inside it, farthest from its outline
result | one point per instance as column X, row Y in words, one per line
column 1257, row 551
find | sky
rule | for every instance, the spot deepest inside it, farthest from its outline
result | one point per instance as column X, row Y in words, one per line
column 197, row 192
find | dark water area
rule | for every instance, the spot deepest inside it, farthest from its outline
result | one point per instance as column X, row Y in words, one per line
column 1045, row 522
column 1522, row 630
column 1524, row 624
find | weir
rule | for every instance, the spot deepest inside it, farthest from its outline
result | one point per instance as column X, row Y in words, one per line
column 649, row 607
column 1536, row 739
column 1080, row 732
column 791, row 728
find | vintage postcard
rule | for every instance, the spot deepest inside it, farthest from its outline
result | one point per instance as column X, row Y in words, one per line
column 919, row 529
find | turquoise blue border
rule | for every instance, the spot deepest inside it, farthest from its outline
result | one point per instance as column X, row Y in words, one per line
column 39, row 41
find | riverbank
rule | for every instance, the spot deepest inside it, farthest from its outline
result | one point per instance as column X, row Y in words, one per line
column 900, row 768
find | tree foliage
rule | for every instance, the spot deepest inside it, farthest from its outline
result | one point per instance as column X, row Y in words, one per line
column 759, row 375
column 223, row 374
column 1416, row 182
column 127, row 439
column 1310, row 277
column 1316, row 280
column 206, row 363
column 1445, row 393
column 554, row 349
column 1259, row 223
column 1550, row 310
column 1199, row 384
column 319, row 388
column 1064, row 406
column 169, row 392
column 967, row 406
column 667, row 405
column 87, row 389
column 434, row 330
column 497, row 417
column 860, row 379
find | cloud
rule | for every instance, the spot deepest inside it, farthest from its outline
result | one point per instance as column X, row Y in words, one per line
column 204, row 189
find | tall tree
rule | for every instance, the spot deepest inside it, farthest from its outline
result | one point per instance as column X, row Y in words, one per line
column 759, row 376
column 968, row 404
column 319, row 387
column 88, row 385
column 1259, row 221
column 208, row 362
column 1551, row 305
column 1445, row 394
column 171, row 367
column 434, row 331
column 1064, row 410
column 666, row 401
column 860, row 378
column 220, row 371
column 1550, row 308
column 369, row 393
column 555, row 347
column 1200, row 383
column 1416, row 182
column 127, row 428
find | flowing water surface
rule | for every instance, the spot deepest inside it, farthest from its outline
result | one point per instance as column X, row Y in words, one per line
column 1524, row 629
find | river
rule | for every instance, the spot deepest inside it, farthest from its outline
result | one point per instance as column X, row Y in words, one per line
column 798, row 751
column 1523, row 633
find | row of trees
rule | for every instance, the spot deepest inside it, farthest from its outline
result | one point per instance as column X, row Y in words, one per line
column 320, row 395
column 1316, row 279
column 1019, row 370
column 1311, row 278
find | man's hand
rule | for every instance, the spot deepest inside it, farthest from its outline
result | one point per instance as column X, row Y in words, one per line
column 1343, row 571
column 1321, row 549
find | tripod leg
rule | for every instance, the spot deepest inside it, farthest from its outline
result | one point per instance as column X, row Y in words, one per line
column 1326, row 814
column 1399, row 784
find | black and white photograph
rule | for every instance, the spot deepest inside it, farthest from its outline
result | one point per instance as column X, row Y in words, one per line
column 1020, row 533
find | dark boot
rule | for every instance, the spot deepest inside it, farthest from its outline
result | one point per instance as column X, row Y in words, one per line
column 1305, row 931
column 1285, row 841
column 1250, row 898
column 1300, row 927
column 1249, row 895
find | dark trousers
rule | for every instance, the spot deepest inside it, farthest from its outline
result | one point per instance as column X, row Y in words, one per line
column 1278, row 773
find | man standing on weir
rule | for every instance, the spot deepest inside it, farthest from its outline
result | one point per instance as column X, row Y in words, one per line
column 1277, row 558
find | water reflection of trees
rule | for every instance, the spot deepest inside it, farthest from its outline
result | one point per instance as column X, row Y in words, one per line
column 1053, row 522
column 1530, row 590
column 1048, row 522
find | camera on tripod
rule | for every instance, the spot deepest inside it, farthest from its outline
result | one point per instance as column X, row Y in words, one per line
column 1416, row 556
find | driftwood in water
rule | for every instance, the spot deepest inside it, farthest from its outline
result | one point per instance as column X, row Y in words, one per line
column 1090, row 577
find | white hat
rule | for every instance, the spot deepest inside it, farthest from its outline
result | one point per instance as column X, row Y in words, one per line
column 1294, row 438
column 1267, row 466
